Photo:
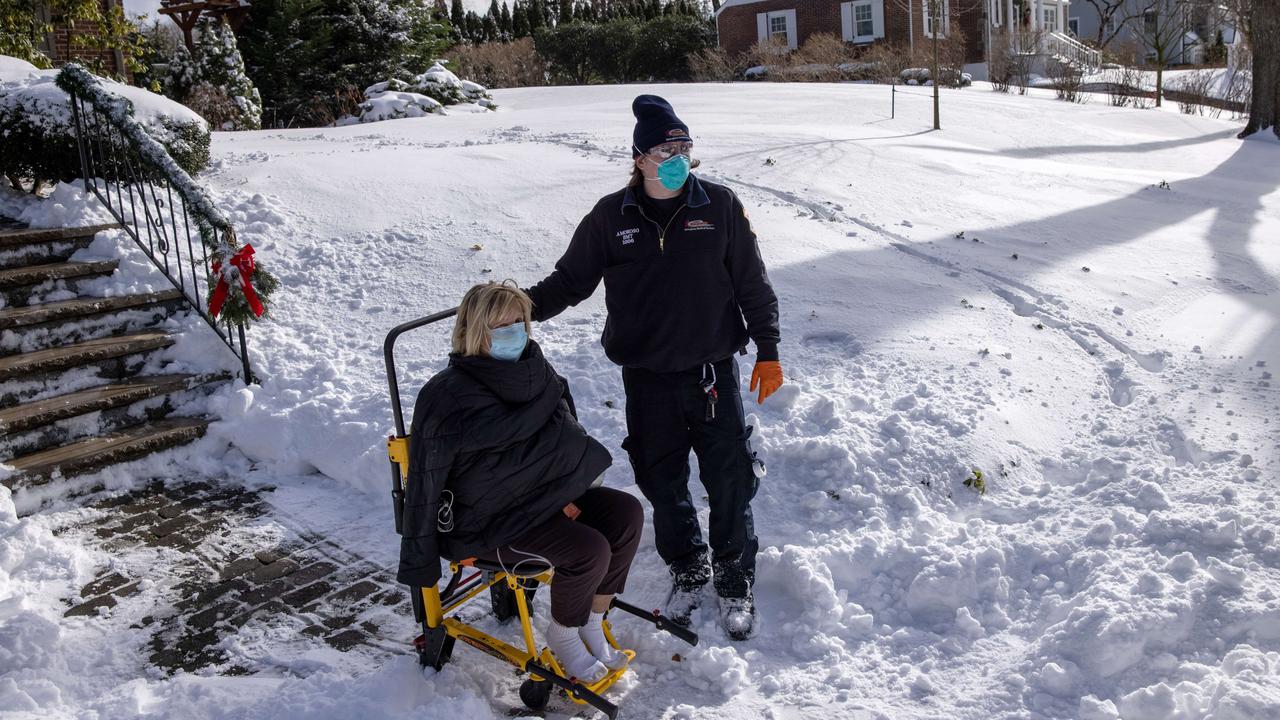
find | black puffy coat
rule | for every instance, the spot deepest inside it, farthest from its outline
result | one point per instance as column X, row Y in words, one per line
column 502, row 437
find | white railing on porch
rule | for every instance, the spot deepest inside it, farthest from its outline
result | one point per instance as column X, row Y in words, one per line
column 1059, row 45
column 1077, row 53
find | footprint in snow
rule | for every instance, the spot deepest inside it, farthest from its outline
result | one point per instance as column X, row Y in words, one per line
column 837, row 341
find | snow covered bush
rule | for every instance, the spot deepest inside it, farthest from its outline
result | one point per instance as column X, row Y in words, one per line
column 39, row 145
column 448, row 89
column 428, row 94
column 921, row 76
column 390, row 101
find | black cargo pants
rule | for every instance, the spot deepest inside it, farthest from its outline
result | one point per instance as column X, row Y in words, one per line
column 667, row 416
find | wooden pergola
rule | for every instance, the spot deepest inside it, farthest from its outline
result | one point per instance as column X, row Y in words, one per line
column 186, row 13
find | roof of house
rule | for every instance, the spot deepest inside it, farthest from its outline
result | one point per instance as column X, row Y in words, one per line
column 732, row 3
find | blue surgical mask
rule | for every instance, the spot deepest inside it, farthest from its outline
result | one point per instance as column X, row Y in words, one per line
column 673, row 171
column 507, row 343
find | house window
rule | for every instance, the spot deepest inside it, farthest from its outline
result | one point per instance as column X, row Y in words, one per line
column 1073, row 25
column 997, row 13
column 939, row 8
column 1051, row 19
column 863, row 23
column 778, row 28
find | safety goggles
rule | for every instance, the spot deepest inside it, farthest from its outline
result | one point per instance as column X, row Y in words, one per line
column 666, row 151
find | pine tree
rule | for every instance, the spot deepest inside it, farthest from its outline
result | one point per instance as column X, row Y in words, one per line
column 520, row 21
column 223, row 93
column 565, row 15
column 506, row 22
column 475, row 28
column 489, row 28
column 458, row 18
column 181, row 74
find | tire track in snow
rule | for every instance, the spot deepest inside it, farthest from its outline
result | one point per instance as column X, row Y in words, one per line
column 1047, row 308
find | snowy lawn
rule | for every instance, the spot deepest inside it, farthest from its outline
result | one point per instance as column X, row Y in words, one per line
column 1079, row 301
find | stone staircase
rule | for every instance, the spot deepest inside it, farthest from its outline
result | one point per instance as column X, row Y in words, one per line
column 73, row 398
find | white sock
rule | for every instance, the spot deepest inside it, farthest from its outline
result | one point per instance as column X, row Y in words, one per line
column 574, row 657
column 592, row 635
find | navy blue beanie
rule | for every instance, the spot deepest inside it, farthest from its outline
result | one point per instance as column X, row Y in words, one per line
column 656, row 123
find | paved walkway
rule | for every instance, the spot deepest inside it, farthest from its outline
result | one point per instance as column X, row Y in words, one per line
column 221, row 578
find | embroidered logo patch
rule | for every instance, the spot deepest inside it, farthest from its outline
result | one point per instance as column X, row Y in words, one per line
column 628, row 235
column 692, row 225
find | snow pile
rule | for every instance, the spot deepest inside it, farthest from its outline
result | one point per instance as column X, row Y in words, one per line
column 13, row 69
column 36, row 571
column 31, row 92
column 69, row 205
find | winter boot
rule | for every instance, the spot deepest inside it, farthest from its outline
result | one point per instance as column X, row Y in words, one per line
column 572, row 654
column 738, row 616
column 688, row 580
column 592, row 635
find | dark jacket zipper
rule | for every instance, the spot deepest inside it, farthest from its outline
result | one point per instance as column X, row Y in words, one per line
column 662, row 231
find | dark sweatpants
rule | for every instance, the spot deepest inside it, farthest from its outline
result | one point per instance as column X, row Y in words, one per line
column 591, row 555
column 666, row 417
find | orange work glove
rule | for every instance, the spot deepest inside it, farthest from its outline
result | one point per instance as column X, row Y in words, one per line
column 768, row 376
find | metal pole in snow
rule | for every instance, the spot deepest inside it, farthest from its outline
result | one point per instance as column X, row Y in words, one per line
column 893, row 99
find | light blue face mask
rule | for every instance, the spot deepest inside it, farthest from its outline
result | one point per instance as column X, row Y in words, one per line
column 507, row 343
column 673, row 171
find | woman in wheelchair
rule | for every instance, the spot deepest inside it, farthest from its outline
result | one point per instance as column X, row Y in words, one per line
column 500, row 469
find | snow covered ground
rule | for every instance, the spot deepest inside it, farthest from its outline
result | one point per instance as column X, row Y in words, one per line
column 1081, row 302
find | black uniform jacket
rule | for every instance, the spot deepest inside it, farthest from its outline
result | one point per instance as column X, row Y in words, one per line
column 677, row 293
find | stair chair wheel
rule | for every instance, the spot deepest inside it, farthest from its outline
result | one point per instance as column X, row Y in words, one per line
column 503, row 600
column 535, row 693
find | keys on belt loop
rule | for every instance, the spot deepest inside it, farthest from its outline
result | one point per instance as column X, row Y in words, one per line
column 708, row 386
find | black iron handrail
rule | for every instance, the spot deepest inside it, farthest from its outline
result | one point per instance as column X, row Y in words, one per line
column 142, row 195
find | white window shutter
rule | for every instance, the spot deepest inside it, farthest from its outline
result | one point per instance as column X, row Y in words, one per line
column 791, row 29
column 762, row 26
column 847, row 31
column 877, row 17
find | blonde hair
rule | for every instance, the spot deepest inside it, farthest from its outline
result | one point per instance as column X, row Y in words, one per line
column 482, row 307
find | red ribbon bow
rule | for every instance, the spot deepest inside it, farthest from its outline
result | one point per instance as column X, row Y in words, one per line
column 242, row 261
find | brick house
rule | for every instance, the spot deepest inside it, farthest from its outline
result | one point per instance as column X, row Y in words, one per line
column 744, row 23
column 57, row 44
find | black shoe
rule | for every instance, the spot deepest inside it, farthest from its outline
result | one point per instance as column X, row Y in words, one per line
column 738, row 616
column 688, row 581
